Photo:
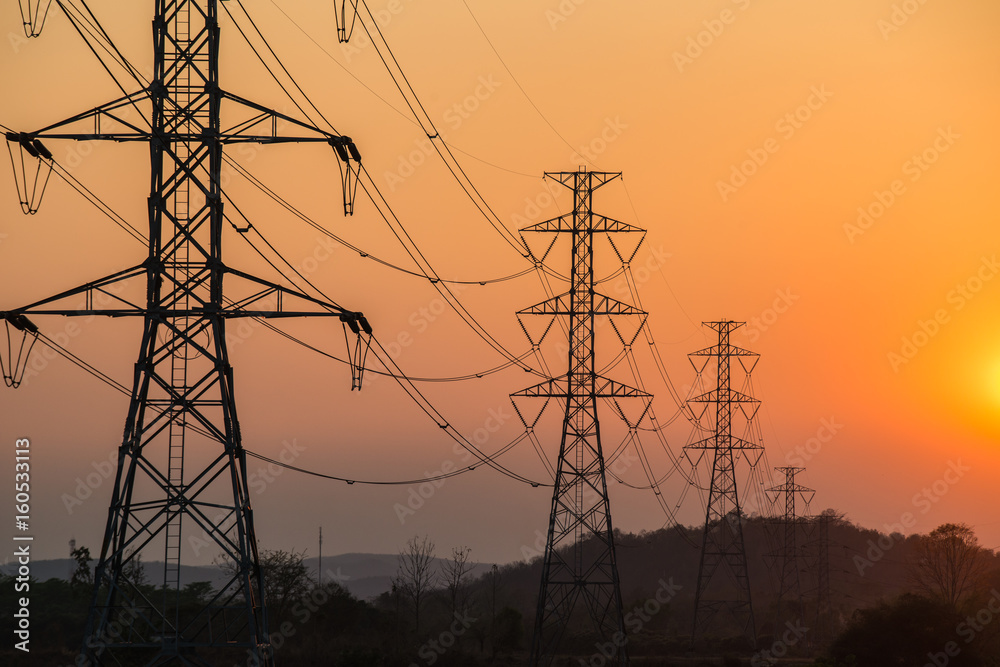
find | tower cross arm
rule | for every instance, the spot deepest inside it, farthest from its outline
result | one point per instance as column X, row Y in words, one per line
column 560, row 305
column 596, row 178
column 603, row 388
column 271, row 301
column 118, row 306
column 723, row 351
column 249, row 130
column 118, row 112
column 729, row 396
column 567, row 223
column 736, row 443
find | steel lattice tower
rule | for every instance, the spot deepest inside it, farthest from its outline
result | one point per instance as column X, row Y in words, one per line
column 790, row 583
column 820, row 546
column 181, row 463
column 579, row 567
column 722, row 542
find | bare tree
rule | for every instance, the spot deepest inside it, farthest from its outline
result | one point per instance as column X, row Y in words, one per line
column 454, row 572
column 949, row 563
column 414, row 575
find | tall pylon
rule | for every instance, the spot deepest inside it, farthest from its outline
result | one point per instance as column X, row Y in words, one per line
column 722, row 541
column 790, row 584
column 181, row 463
column 579, row 567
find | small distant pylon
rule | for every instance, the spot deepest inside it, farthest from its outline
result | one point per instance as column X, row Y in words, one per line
column 580, row 571
column 790, row 584
column 722, row 542
column 818, row 551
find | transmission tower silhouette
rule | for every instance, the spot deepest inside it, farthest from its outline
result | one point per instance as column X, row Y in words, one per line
column 181, row 464
column 790, row 584
column 579, row 567
column 819, row 556
column 722, row 542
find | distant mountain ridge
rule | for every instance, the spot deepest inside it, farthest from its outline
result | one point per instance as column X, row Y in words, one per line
column 364, row 575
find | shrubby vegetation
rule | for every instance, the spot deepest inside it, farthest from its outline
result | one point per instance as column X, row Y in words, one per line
column 919, row 600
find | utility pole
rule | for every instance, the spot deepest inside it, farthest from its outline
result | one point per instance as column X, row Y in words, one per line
column 320, row 568
column 580, row 571
column 722, row 541
column 181, row 464
column 790, row 584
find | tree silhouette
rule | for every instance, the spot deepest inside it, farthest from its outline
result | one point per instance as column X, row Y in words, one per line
column 286, row 581
column 83, row 576
column 455, row 572
column 949, row 563
column 910, row 630
column 414, row 576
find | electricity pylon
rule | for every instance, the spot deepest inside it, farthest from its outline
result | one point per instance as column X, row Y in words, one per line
column 820, row 557
column 722, row 541
column 790, row 584
column 181, row 463
column 579, row 567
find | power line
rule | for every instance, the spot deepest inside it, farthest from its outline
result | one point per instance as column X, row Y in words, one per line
column 385, row 101
column 403, row 482
column 519, row 86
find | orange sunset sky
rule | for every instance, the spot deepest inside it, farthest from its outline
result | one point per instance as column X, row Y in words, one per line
column 835, row 161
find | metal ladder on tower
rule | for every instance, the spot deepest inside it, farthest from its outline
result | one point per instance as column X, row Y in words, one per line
column 180, row 93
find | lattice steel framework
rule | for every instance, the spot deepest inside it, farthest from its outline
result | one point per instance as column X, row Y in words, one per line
column 722, row 541
column 181, row 464
column 579, row 567
column 790, row 584
column 818, row 551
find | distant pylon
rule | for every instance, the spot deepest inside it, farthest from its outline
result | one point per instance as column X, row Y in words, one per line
column 790, row 584
column 579, row 567
column 722, row 542
column 818, row 551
